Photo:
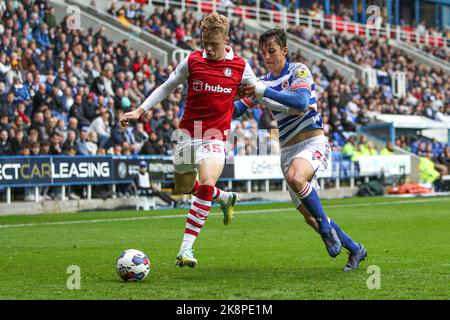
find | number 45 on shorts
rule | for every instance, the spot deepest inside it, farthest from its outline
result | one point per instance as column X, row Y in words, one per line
column 213, row 147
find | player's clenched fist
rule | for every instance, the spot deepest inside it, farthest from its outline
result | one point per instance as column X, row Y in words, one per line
column 132, row 115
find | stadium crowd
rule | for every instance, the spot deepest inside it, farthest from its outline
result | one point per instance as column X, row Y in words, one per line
column 442, row 53
column 427, row 90
column 62, row 91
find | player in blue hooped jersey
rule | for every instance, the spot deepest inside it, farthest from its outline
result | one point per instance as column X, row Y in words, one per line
column 289, row 91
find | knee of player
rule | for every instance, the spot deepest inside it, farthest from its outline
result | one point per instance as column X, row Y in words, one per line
column 295, row 179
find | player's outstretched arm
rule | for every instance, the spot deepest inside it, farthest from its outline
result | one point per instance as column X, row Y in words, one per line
column 275, row 106
column 297, row 99
column 178, row 76
column 241, row 106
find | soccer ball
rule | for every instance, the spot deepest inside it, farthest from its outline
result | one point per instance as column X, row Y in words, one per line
column 133, row 265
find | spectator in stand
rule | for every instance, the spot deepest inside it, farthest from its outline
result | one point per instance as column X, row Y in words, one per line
column 350, row 147
column 7, row 104
column 6, row 148
column 118, row 135
column 39, row 124
column 72, row 125
column 101, row 126
column 122, row 18
column 40, row 98
column 370, row 151
column 422, row 150
column 444, row 158
column 428, row 173
column 45, row 148
column 35, row 149
column 55, row 144
column 17, row 141
column 78, row 110
column 92, row 143
column 70, row 142
column 360, row 151
column 164, row 132
column 388, row 150
column 441, row 168
column 21, row 92
column 140, row 136
column 82, row 143
column 151, row 145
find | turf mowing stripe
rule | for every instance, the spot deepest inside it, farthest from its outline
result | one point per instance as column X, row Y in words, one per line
column 216, row 214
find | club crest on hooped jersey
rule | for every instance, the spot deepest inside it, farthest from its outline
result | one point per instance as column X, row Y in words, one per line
column 285, row 85
column 227, row 72
column 197, row 85
column 302, row 73
column 317, row 155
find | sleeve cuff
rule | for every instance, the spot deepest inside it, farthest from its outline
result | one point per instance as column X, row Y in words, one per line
column 301, row 85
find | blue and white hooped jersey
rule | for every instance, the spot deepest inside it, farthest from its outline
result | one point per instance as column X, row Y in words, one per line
column 292, row 77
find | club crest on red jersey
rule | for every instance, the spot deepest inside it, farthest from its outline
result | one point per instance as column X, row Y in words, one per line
column 227, row 72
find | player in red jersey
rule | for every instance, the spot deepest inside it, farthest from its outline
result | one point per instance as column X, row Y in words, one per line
column 214, row 75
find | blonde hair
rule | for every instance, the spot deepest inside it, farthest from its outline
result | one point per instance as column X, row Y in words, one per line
column 215, row 22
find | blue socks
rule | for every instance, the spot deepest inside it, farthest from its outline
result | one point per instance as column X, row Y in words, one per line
column 311, row 201
column 346, row 241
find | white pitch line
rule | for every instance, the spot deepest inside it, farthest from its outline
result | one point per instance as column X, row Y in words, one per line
column 17, row 225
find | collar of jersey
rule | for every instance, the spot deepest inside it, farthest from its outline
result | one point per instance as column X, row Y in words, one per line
column 283, row 72
column 228, row 56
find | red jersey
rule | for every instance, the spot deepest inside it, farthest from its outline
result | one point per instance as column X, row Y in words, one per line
column 212, row 86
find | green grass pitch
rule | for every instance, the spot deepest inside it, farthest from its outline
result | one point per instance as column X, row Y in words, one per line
column 268, row 252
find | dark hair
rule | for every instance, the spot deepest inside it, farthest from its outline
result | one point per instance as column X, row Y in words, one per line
column 278, row 35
